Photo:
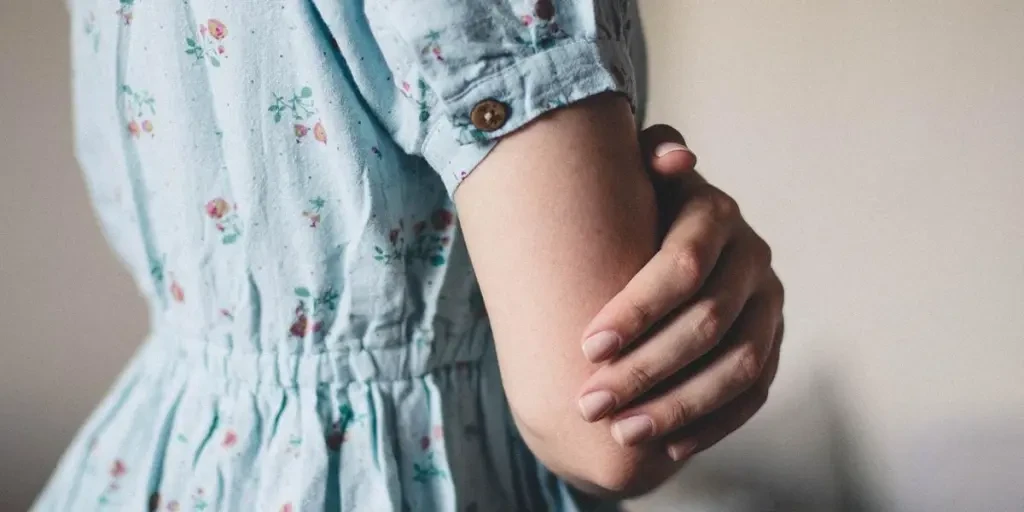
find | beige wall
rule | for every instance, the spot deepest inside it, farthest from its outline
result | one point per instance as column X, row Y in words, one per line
column 878, row 146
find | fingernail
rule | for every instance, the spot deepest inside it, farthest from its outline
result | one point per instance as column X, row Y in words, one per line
column 600, row 346
column 595, row 405
column 678, row 452
column 631, row 431
column 668, row 147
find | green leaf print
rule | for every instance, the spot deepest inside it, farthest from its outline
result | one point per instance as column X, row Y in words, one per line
column 300, row 105
column 230, row 239
column 437, row 260
column 427, row 471
column 215, row 62
column 328, row 299
column 302, row 292
column 191, row 42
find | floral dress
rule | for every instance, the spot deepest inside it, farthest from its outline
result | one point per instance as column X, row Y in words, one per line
column 277, row 177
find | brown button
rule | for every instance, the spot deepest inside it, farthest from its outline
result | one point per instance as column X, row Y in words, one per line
column 489, row 115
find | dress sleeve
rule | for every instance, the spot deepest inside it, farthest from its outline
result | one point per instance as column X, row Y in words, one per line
column 473, row 70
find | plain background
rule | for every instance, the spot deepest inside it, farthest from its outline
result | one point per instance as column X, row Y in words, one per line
column 878, row 145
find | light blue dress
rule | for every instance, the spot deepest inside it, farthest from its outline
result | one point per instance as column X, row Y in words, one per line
column 277, row 174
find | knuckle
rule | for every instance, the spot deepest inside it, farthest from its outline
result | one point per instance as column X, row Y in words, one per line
column 748, row 366
column 680, row 412
column 639, row 379
column 710, row 322
column 688, row 265
column 725, row 207
column 640, row 312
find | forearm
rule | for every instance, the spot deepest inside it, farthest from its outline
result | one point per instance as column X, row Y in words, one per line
column 558, row 218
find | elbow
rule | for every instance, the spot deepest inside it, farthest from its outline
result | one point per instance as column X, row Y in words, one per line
column 623, row 476
column 586, row 456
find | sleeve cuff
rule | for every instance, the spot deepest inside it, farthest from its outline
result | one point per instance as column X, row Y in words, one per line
column 544, row 81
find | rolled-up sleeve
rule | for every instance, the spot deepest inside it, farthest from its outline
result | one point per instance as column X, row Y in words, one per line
column 475, row 70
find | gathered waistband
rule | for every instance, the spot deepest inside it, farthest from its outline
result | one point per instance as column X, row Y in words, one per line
column 331, row 367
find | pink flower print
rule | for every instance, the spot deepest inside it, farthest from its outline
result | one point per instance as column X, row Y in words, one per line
column 173, row 506
column 287, row 507
column 425, row 443
column 406, row 86
column 438, row 432
column 133, row 128
column 300, row 131
column 177, row 292
column 147, row 126
column 419, row 227
column 393, row 236
column 316, row 206
column 298, row 327
column 217, row 29
column 302, row 327
column 229, row 439
column 221, row 210
column 118, row 469
column 205, row 46
column 320, row 133
column 376, row 152
column 434, row 47
column 527, row 20
column 441, row 219
column 217, row 208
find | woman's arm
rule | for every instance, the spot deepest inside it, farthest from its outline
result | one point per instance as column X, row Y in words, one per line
column 557, row 219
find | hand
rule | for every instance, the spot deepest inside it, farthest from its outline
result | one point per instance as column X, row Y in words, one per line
column 708, row 308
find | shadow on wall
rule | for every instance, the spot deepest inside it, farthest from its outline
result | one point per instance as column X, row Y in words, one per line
column 799, row 454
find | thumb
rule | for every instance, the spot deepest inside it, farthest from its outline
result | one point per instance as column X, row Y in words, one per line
column 665, row 151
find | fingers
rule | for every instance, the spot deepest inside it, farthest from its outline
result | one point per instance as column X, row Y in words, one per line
column 666, row 152
column 687, row 256
column 687, row 337
column 711, row 429
column 733, row 371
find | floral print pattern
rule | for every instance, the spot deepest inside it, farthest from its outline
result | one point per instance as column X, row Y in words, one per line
column 316, row 207
column 301, row 108
column 310, row 310
column 136, row 105
column 127, row 11
column 420, row 97
column 314, row 312
column 209, row 44
column 427, row 469
column 225, row 219
column 544, row 31
column 427, row 244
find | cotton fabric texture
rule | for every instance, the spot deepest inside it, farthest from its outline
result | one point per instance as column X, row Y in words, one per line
column 277, row 177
